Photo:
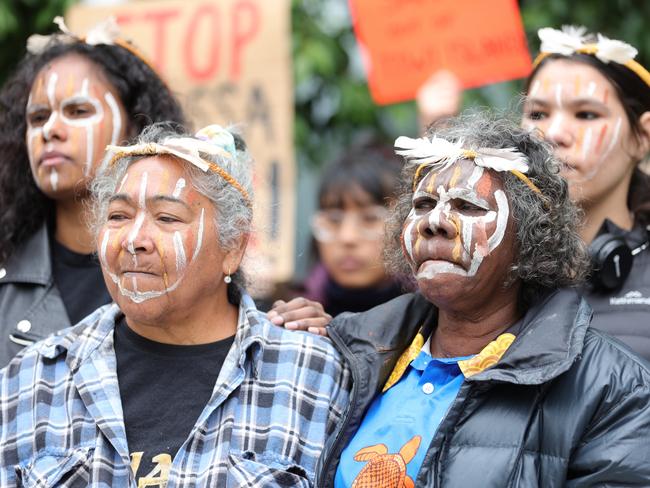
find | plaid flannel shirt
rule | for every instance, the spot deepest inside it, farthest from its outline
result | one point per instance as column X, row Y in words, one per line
column 278, row 396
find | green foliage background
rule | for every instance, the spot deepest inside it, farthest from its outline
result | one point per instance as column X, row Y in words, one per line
column 332, row 104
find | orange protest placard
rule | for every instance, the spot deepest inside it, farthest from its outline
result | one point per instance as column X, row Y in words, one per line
column 406, row 41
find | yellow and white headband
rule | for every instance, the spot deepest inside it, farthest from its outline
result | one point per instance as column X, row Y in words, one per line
column 571, row 40
column 213, row 140
column 439, row 154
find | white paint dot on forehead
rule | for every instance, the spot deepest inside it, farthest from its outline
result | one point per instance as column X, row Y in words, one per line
column 558, row 94
column 180, row 184
column 534, row 89
column 143, row 190
column 591, row 88
column 117, row 118
column 126, row 175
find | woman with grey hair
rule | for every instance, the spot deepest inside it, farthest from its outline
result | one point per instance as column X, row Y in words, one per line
column 489, row 374
column 181, row 381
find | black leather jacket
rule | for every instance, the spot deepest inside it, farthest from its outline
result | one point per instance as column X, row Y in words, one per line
column 31, row 307
column 565, row 406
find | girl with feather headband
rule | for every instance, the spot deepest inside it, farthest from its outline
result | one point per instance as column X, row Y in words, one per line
column 591, row 99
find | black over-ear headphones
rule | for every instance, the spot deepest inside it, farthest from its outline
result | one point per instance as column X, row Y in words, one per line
column 611, row 259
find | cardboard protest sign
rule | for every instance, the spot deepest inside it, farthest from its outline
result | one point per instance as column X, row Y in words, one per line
column 481, row 41
column 229, row 62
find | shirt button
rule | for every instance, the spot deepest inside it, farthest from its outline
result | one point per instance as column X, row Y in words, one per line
column 3, row 273
column 24, row 326
column 427, row 388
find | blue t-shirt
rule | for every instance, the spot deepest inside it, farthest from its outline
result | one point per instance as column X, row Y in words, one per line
column 401, row 423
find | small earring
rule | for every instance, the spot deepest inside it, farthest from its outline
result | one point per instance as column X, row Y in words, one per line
column 227, row 279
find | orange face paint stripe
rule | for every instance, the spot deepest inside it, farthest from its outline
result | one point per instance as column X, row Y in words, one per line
column 545, row 85
column 577, row 85
column 69, row 86
column 601, row 136
column 606, row 96
column 432, row 182
column 579, row 137
column 454, row 177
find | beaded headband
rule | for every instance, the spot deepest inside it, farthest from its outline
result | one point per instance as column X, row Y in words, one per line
column 213, row 140
column 573, row 39
column 439, row 154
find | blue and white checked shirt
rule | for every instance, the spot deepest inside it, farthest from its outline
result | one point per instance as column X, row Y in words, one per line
column 278, row 396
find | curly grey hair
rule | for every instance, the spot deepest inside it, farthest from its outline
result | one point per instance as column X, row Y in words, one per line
column 233, row 216
column 550, row 252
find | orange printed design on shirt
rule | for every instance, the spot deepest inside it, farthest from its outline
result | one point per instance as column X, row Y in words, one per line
column 386, row 470
column 404, row 360
column 489, row 356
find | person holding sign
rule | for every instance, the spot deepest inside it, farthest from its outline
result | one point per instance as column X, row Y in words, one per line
column 68, row 99
column 591, row 100
column 488, row 375
column 180, row 381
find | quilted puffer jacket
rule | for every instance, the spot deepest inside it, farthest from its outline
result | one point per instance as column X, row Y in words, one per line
column 565, row 406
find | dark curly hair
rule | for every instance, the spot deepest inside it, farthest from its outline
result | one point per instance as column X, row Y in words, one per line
column 634, row 94
column 550, row 252
column 145, row 97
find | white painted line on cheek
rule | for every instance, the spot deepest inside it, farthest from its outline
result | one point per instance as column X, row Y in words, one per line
column 143, row 190
column 558, row 95
column 586, row 142
column 134, row 231
column 180, row 184
column 408, row 239
column 534, row 89
column 614, row 141
column 181, row 260
column 102, row 253
column 555, row 126
column 503, row 212
column 89, row 149
column 54, row 178
column 199, row 238
column 591, row 88
column 117, row 118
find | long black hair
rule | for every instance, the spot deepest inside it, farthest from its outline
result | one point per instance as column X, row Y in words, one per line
column 144, row 95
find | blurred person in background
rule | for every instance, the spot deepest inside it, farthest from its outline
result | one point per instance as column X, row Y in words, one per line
column 66, row 101
column 349, row 230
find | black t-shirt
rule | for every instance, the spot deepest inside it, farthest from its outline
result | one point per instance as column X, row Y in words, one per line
column 79, row 280
column 164, row 389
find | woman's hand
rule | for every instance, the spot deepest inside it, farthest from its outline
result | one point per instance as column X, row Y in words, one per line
column 300, row 314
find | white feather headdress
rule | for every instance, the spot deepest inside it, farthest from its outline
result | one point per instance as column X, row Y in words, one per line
column 572, row 39
column 105, row 32
column 440, row 154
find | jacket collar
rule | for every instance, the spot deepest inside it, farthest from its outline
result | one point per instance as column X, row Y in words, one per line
column 549, row 340
column 31, row 262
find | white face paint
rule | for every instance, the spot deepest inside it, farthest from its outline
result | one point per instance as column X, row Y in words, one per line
column 71, row 117
column 578, row 109
column 149, row 215
column 462, row 226
column 180, row 184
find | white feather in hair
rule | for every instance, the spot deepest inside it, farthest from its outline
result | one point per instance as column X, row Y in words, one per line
column 441, row 154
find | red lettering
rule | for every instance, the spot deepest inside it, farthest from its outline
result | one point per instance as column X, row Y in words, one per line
column 210, row 14
column 160, row 18
column 246, row 23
